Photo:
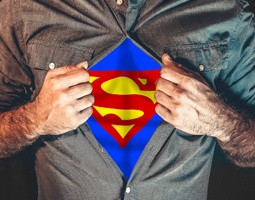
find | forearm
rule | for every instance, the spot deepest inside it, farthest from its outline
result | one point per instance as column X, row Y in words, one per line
column 187, row 102
column 17, row 129
column 64, row 102
column 238, row 140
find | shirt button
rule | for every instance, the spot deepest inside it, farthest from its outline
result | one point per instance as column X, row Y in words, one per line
column 52, row 65
column 128, row 189
column 119, row 2
column 201, row 68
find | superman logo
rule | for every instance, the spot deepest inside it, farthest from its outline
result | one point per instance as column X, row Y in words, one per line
column 124, row 86
column 124, row 101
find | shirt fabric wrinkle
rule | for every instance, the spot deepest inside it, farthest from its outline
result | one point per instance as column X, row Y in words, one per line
column 174, row 164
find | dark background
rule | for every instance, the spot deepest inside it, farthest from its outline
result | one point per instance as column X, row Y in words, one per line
column 252, row 5
column 227, row 181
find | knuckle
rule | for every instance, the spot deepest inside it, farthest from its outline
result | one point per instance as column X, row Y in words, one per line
column 90, row 99
column 177, row 93
column 177, row 110
column 68, row 68
column 86, row 75
column 187, row 81
column 50, row 73
column 87, row 113
column 90, row 111
column 163, row 112
column 62, row 98
column 89, row 87
column 49, row 77
column 159, row 83
column 158, row 95
column 163, row 70
column 69, row 111
column 54, row 83
column 181, row 96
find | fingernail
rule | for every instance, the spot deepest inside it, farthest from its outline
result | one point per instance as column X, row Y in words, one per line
column 169, row 58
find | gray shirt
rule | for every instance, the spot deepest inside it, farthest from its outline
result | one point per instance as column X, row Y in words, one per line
column 214, row 38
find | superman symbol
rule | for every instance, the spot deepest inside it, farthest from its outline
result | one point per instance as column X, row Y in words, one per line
column 124, row 101
column 124, row 109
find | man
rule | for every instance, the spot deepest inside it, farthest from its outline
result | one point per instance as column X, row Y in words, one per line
column 204, row 45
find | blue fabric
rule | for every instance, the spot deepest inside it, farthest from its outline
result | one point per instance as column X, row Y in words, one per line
column 127, row 56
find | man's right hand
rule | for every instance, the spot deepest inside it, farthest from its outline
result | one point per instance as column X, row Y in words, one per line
column 65, row 100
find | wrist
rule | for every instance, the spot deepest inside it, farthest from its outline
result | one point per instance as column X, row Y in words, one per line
column 17, row 129
column 30, row 116
column 232, row 125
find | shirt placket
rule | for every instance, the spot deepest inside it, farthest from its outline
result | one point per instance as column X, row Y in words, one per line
column 119, row 8
column 126, row 11
column 134, row 7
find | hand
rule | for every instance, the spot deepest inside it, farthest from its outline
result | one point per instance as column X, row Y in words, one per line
column 64, row 101
column 186, row 101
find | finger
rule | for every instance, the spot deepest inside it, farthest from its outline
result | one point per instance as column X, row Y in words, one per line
column 85, row 114
column 74, row 77
column 166, row 86
column 167, row 60
column 164, row 99
column 164, row 113
column 181, row 70
column 171, row 71
column 84, row 103
column 80, row 90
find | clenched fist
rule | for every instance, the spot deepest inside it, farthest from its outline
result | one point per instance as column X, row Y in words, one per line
column 186, row 101
column 64, row 101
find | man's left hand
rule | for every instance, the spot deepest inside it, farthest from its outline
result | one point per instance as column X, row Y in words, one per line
column 187, row 102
